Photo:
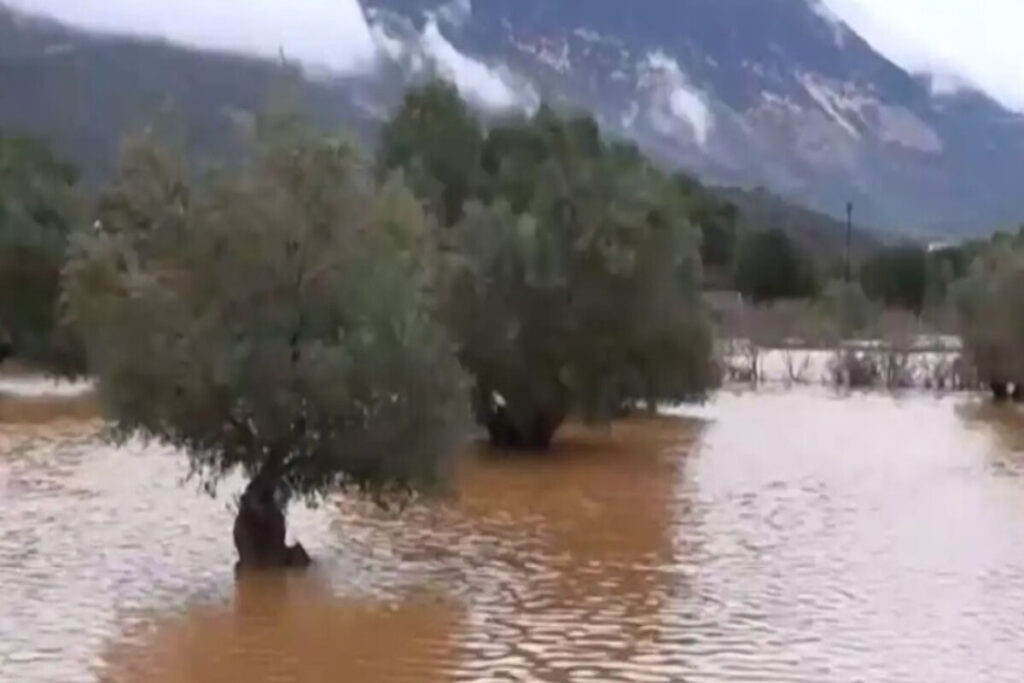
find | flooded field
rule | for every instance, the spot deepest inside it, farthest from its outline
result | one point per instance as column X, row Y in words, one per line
column 772, row 536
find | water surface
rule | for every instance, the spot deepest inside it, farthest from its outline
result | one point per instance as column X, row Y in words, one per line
column 782, row 536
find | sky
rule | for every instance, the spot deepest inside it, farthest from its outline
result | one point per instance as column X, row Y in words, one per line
column 974, row 41
column 960, row 41
column 324, row 33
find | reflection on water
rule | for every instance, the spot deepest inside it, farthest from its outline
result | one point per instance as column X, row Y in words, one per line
column 788, row 536
column 291, row 629
column 36, row 408
column 1006, row 423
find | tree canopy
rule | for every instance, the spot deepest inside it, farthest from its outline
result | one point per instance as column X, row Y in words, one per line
column 38, row 207
column 573, row 274
column 437, row 141
column 277, row 317
column 771, row 266
column 717, row 219
column 897, row 276
column 990, row 307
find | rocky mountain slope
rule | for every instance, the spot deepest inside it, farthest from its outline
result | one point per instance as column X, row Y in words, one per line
column 773, row 93
column 749, row 92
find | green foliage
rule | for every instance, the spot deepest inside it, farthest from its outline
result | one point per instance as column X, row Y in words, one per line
column 437, row 141
column 990, row 308
column 38, row 205
column 944, row 268
column 717, row 219
column 771, row 266
column 897, row 277
column 573, row 277
column 848, row 308
column 276, row 317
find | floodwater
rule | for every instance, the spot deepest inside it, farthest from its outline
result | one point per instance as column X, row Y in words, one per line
column 775, row 536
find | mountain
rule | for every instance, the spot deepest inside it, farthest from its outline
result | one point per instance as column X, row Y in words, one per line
column 82, row 92
column 778, row 93
column 744, row 93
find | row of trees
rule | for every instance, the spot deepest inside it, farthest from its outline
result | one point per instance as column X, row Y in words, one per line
column 322, row 323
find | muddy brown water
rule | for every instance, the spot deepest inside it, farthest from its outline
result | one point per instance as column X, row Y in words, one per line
column 773, row 536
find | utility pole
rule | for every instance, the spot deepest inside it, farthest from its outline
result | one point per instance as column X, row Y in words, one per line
column 849, row 235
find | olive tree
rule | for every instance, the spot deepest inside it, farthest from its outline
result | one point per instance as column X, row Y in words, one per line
column 39, row 204
column 437, row 141
column 277, row 318
column 573, row 285
column 990, row 307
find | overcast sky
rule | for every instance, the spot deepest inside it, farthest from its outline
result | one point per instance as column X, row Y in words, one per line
column 330, row 33
column 978, row 41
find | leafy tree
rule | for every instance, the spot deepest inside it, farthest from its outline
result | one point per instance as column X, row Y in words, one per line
column 38, row 205
column 771, row 266
column 275, row 318
column 437, row 141
column 573, row 275
column 717, row 219
column 990, row 307
column 897, row 277
column 945, row 267
column 574, row 284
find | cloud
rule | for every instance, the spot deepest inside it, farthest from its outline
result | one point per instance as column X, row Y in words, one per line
column 833, row 20
column 974, row 42
column 456, row 12
column 331, row 34
column 688, row 105
column 676, row 100
column 323, row 34
column 486, row 86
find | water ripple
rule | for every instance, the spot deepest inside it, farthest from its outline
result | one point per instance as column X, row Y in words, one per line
column 790, row 537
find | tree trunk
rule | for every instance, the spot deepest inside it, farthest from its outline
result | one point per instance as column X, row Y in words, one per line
column 1000, row 390
column 6, row 348
column 1018, row 392
column 523, row 424
column 260, row 530
column 532, row 433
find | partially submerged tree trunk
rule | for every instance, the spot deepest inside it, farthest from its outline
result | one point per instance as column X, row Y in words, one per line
column 6, row 348
column 1000, row 390
column 260, row 529
column 519, row 426
column 532, row 432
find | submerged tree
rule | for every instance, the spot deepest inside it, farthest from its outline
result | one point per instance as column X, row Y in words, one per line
column 275, row 318
column 38, row 206
column 573, row 285
column 990, row 307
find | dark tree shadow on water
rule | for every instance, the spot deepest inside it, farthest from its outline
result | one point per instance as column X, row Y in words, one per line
column 1003, row 422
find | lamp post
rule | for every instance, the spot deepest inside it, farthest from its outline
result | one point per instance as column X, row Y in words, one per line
column 849, row 234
